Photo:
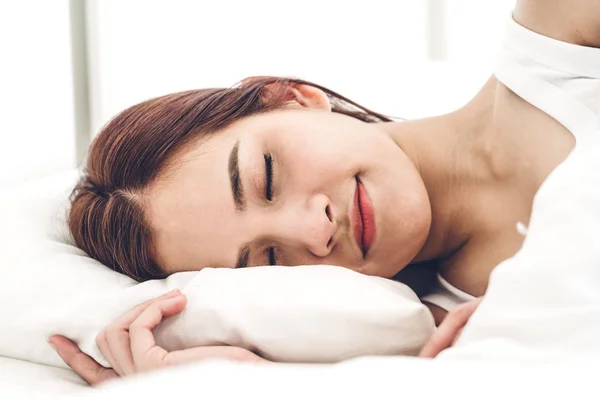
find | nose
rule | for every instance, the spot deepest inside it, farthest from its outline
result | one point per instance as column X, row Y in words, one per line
column 310, row 224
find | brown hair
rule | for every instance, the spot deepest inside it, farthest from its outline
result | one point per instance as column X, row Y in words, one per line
column 107, row 218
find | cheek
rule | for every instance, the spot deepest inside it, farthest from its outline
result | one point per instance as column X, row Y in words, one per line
column 337, row 146
column 408, row 213
column 334, row 149
column 309, row 157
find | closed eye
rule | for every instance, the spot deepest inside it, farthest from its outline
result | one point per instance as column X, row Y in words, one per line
column 272, row 256
column 269, row 177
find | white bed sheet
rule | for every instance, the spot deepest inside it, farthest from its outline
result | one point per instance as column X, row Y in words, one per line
column 365, row 377
column 25, row 380
column 378, row 378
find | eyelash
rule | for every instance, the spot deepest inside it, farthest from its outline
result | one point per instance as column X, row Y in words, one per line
column 272, row 256
column 269, row 177
column 269, row 190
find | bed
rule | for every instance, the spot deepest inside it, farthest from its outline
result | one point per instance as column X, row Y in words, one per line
column 25, row 380
column 365, row 377
column 536, row 333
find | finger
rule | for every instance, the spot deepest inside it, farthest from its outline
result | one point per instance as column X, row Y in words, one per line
column 84, row 365
column 447, row 332
column 104, row 348
column 126, row 319
column 457, row 336
column 146, row 354
column 443, row 337
column 206, row 352
column 116, row 345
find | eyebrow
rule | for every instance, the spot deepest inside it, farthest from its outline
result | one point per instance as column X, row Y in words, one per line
column 237, row 189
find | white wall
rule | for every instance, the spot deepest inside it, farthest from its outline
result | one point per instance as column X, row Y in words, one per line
column 371, row 51
column 36, row 108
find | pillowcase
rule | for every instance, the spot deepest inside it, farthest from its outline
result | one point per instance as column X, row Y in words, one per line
column 300, row 314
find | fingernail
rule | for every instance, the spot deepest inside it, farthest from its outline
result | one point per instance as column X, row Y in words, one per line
column 173, row 300
column 51, row 344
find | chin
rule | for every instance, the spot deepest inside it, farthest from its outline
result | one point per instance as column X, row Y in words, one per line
column 398, row 257
column 383, row 269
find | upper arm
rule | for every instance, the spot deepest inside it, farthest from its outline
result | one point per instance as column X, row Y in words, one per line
column 572, row 21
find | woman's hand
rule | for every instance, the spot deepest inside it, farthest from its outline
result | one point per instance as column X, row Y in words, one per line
column 129, row 344
column 450, row 329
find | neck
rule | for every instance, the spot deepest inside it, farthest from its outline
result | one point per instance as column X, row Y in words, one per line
column 453, row 154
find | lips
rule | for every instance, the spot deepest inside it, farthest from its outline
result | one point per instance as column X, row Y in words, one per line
column 363, row 219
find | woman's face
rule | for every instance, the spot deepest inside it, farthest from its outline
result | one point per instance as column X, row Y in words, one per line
column 281, row 187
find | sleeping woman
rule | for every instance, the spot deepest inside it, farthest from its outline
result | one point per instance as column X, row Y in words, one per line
column 278, row 171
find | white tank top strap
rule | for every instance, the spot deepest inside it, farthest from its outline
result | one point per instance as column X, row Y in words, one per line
column 446, row 296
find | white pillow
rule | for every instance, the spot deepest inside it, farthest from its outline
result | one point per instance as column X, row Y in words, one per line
column 300, row 314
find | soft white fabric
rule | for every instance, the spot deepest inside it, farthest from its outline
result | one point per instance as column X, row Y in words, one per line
column 308, row 314
column 25, row 380
column 313, row 313
column 364, row 377
column 559, row 78
column 382, row 378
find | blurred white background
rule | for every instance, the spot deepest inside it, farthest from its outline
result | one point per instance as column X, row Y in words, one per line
column 69, row 66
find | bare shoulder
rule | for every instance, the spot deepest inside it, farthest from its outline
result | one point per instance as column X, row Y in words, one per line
column 469, row 270
column 572, row 21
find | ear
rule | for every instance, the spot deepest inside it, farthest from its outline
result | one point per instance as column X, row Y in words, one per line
column 295, row 94
column 309, row 97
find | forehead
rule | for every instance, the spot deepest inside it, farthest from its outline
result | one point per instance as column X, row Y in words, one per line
column 191, row 209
